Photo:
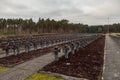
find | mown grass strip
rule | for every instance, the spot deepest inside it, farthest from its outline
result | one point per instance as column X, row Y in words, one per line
column 113, row 34
column 39, row 76
column 2, row 69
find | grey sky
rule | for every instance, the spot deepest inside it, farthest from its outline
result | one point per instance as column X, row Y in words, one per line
column 90, row 12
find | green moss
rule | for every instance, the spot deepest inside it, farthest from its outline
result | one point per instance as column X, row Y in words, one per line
column 39, row 76
column 2, row 69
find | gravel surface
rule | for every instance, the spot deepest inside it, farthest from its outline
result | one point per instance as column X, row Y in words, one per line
column 112, row 58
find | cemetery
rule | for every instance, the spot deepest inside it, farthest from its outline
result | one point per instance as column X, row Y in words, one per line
column 82, row 56
column 59, row 40
column 45, row 46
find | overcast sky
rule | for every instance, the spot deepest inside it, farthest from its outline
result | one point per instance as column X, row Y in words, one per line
column 90, row 12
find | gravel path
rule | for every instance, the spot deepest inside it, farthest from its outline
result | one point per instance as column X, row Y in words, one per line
column 112, row 60
column 24, row 70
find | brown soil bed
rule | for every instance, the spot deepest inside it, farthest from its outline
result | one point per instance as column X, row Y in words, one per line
column 85, row 63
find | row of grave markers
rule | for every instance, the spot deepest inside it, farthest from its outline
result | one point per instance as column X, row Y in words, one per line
column 74, row 46
column 39, row 42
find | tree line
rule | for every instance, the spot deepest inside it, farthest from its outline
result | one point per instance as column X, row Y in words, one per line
column 52, row 26
column 113, row 28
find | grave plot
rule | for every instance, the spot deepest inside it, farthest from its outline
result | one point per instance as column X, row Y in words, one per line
column 85, row 63
column 13, row 60
column 17, row 58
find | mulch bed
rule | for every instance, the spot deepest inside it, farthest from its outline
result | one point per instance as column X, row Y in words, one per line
column 85, row 63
